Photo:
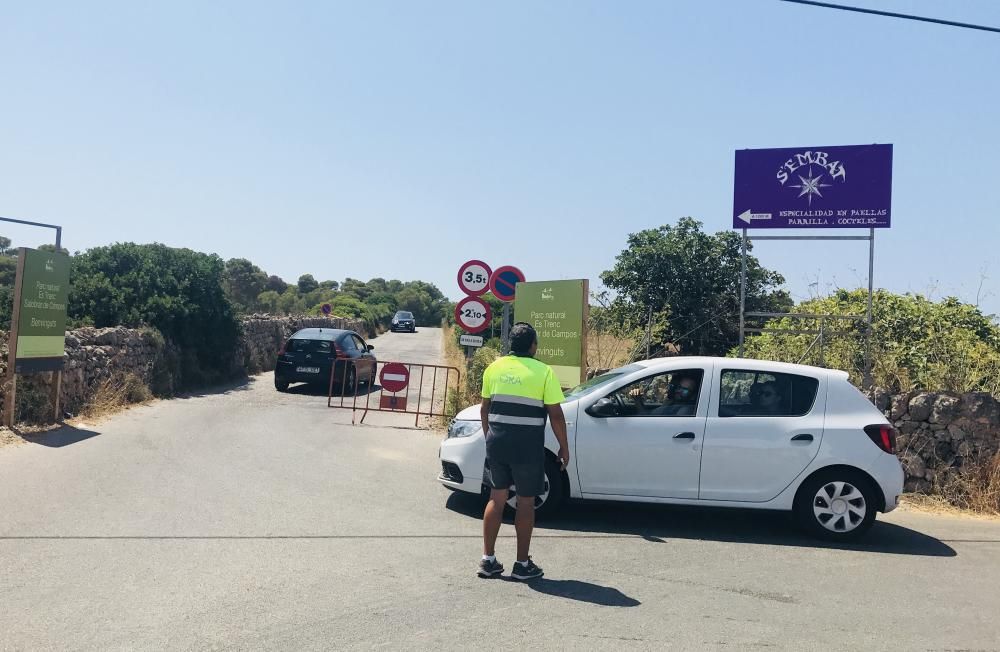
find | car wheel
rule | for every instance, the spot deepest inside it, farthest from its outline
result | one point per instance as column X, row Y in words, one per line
column 349, row 381
column 553, row 494
column 280, row 384
column 836, row 505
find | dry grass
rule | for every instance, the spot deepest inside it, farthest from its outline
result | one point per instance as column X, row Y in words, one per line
column 607, row 351
column 114, row 395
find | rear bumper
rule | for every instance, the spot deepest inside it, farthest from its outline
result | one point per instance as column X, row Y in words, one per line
column 888, row 472
column 462, row 463
column 286, row 371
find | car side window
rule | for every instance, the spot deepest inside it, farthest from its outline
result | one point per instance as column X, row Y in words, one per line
column 348, row 344
column 360, row 343
column 748, row 393
column 672, row 394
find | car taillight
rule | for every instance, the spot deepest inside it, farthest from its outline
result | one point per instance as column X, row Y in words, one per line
column 882, row 436
column 281, row 351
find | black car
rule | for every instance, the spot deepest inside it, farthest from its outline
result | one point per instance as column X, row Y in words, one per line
column 309, row 355
column 403, row 321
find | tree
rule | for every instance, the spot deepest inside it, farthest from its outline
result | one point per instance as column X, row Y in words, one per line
column 243, row 282
column 332, row 286
column 5, row 246
column 276, row 284
column 307, row 283
column 690, row 280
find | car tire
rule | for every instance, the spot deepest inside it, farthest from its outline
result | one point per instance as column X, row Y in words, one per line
column 280, row 384
column 836, row 505
column 555, row 495
column 349, row 381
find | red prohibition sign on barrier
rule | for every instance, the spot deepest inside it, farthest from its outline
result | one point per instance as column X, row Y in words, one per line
column 394, row 377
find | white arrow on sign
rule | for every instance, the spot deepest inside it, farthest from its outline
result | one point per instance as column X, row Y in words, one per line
column 748, row 217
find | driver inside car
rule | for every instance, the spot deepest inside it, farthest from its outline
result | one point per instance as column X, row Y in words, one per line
column 680, row 397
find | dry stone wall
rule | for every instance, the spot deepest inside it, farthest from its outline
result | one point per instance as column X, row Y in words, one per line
column 96, row 355
column 941, row 434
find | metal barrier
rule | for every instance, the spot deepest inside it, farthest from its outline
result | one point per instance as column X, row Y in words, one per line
column 398, row 402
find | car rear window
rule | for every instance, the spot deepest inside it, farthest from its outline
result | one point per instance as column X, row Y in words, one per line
column 310, row 346
column 748, row 393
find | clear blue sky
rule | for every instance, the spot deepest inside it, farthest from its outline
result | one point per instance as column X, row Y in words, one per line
column 398, row 139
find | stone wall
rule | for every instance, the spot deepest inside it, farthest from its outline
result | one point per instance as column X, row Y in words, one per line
column 263, row 335
column 95, row 355
column 940, row 434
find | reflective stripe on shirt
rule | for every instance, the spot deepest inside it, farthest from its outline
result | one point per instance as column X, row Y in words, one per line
column 516, row 421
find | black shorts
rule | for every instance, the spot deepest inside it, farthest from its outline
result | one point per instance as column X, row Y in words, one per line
column 528, row 477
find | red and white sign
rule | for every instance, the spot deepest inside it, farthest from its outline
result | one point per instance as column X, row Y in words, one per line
column 394, row 377
column 504, row 280
column 473, row 314
column 474, row 277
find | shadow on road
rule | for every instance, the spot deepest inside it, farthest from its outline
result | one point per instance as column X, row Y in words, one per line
column 306, row 389
column 657, row 523
column 57, row 438
column 237, row 385
column 581, row 591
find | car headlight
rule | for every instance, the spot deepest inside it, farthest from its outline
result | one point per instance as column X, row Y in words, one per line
column 464, row 428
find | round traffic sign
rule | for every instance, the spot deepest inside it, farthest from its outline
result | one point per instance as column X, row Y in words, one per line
column 474, row 277
column 473, row 314
column 394, row 377
column 326, row 308
column 503, row 280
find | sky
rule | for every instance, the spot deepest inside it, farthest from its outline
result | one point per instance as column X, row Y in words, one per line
column 399, row 139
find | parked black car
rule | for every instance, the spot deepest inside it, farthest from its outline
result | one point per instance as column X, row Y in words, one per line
column 309, row 355
column 403, row 321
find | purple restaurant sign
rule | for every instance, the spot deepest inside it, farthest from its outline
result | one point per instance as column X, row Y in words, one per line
column 813, row 187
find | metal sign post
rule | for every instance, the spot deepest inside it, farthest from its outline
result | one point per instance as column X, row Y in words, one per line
column 11, row 380
column 796, row 188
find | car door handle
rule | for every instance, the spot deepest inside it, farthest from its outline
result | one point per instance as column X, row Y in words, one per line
column 684, row 435
column 804, row 437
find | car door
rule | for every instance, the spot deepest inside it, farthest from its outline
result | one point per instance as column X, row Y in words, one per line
column 624, row 447
column 752, row 454
column 365, row 360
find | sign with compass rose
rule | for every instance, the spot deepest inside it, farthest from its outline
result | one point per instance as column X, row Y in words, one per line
column 843, row 186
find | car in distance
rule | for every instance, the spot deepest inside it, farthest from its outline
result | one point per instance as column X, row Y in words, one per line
column 312, row 354
column 751, row 434
column 403, row 320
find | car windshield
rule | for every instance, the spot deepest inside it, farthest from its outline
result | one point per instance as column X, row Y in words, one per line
column 404, row 315
column 599, row 381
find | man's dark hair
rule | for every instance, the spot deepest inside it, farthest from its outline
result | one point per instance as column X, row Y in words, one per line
column 522, row 336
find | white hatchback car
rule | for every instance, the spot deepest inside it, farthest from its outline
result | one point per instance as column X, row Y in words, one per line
column 753, row 434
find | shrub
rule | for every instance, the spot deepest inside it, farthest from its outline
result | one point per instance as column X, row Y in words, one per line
column 178, row 291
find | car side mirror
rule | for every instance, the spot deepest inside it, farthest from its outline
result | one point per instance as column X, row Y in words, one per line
column 371, row 347
column 604, row 407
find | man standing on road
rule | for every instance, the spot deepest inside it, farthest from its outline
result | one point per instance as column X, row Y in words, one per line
column 518, row 393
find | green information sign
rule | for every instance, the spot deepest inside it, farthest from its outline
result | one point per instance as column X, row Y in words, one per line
column 558, row 311
column 41, row 314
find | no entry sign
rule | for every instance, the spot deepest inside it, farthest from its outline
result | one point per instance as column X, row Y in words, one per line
column 503, row 282
column 473, row 314
column 474, row 277
column 394, row 377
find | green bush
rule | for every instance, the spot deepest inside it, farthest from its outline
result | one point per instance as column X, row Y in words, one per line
column 178, row 291
column 916, row 343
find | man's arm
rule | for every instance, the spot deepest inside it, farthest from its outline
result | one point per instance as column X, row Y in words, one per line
column 484, row 415
column 558, row 421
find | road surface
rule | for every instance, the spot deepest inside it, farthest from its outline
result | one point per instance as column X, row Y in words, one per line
column 249, row 519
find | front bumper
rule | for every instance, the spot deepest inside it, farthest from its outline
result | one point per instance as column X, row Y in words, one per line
column 463, row 460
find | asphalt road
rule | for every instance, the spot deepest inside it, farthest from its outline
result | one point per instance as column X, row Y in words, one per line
column 248, row 519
